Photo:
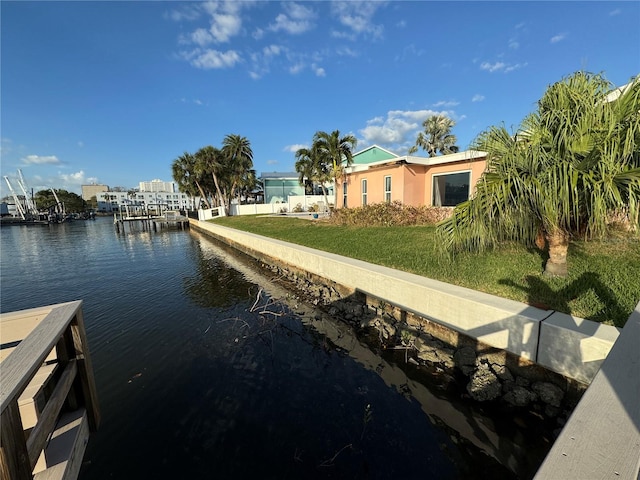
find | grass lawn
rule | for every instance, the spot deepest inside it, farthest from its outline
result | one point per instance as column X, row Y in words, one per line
column 603, row 283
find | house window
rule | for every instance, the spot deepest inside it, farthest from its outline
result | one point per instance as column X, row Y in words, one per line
column 364, row 191
column 344, row 194
column 451, row 189
column 387, row 189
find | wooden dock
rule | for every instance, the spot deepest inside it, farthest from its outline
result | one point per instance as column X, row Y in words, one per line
column 147, row 221
column 48, row 394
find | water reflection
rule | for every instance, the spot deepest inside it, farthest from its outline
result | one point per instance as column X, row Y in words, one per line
column 207, row 368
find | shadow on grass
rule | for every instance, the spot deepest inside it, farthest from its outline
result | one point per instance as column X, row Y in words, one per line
column 542, row 295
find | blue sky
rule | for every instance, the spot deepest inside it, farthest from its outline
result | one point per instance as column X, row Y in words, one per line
column 113, row 92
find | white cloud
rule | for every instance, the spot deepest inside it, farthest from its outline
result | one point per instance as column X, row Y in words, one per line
column 296, row 68
column 201, row 37
column 615, row 12
column 448, row 103
column 517, row 66
column 258, row 33
column 346, row 52
column 514, row 44
column 80, row 143
column 272, row 162
column 77, row 178
column 558, row 38
column 272, row 50
column 185, row 13
column 501, row 67
column 295, row 147
column 319, row 71
column 409, row 52
column 358, row 16
column 297, row 19
column 477, row 98
column 71, row 182
column 210, row 59
column 492, row 67
column 398, row 130
column 41, row 160
column 224, row 26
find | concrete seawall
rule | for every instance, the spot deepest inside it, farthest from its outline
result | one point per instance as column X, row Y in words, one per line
column 570, row 346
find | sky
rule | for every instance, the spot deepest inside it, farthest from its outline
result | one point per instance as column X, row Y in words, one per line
column 113, row 92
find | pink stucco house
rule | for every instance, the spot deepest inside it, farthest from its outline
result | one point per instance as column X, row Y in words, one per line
column 378, row 175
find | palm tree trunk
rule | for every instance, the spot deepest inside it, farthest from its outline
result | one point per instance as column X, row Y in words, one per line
column 326, row 200
column 203, row 196
column 558, row 245
column 220, row 197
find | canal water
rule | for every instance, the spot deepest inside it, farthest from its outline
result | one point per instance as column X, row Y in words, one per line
column 208, row 368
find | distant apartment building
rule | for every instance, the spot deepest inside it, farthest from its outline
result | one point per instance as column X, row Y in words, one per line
column 157, row 186
column 155, row 195
column 89, row 191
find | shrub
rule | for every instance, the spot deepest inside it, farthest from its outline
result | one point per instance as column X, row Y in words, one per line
column 297, row 208
column 390, row 214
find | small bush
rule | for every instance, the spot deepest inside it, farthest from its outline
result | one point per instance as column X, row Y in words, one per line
column 298, row 208
column 390, row 214
column 313, row 208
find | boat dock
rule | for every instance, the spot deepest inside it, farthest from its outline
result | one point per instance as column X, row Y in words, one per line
column 48, row 394
column 145, row 220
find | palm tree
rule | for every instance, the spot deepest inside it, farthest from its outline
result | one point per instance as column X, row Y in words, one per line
column 311, row 169
column 184, row 172
column 209, row 160
column 571, row 164
column 238, row 161
column 334, row 153
column 437, row 136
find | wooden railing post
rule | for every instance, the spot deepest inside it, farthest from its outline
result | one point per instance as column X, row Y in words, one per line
column 14, row 458
column 85, row 371
column 65, row 351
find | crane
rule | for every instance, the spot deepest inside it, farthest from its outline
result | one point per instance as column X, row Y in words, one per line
column 15, row 198
column 59, row 205
column 30, row 204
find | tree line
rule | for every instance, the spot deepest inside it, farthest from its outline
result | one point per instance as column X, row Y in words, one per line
column 567, row 168
column 217, row 175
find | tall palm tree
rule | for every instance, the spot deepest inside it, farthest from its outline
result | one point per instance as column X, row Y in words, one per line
column 437, row 136
column 310, row 168
column 573, row 162
column 334, row 153
column 238, row 160
column 209, row 160
column 183, row 170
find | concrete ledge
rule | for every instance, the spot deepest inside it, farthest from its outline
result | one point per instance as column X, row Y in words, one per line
column 573, row 346
column 570, row 346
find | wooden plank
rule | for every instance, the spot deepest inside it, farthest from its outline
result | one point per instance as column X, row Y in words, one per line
column 85, row 371
column 66, row 449
column 28, row 399
column 601, row 440
column 21, row 366
column 38, row 437
column 14, row 459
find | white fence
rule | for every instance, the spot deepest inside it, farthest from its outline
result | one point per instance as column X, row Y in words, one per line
column 209, row 213
column 305, row 202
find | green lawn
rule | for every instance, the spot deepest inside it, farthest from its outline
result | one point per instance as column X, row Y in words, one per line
column 603, row 282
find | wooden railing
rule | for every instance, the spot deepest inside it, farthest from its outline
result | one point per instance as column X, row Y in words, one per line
column 48, row 394
column 602, row 437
